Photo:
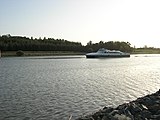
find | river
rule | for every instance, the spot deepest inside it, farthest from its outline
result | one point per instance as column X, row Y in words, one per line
column 54, row 88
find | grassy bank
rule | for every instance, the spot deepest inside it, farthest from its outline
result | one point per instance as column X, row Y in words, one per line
column 146, row 51
column 40, row 53
column 56, row 53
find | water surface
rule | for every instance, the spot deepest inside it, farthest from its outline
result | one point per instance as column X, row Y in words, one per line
column 47, row 88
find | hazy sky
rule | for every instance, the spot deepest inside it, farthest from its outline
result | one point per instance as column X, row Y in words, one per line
column 135, row 21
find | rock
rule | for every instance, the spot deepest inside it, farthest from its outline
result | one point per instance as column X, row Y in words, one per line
column 97, row 115
column 134, row 109
column 156, row 117
column 145, row 114
column 128, row 113
column 154, row 108
column 107, row 117
column 139, row 117
column 147, row 101
column 158, row 112
column 158, row 92
column 123, row 106
column 107, row 109
column 114, row 112
column 144, row 108
column 121, row 117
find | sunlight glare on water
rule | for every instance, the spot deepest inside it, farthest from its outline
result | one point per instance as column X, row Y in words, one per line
column 33, row 88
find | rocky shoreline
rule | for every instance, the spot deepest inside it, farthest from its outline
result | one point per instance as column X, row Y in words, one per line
column 144, row 108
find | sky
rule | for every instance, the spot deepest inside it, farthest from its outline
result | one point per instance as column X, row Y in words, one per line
column 134, row 21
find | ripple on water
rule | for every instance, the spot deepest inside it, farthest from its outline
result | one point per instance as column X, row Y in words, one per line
column 57, row 88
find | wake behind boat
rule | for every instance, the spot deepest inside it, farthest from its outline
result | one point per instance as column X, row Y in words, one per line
column 102, row 52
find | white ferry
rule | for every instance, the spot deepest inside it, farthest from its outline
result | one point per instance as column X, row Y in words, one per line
column 102, row 52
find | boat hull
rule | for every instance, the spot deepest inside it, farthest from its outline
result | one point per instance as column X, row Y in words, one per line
column 106, row 56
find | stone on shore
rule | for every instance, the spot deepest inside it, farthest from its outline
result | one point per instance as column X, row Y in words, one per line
column 144, row 108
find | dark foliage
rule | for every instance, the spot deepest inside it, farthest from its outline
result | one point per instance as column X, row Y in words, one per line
column 15, row 43
column 19, row 53
column 111, row 45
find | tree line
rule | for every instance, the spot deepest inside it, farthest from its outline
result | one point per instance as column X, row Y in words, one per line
column 15, row 43
column 111, row 45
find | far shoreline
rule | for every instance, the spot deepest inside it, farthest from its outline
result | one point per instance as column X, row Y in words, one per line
column 62, row 53
column 40, row 53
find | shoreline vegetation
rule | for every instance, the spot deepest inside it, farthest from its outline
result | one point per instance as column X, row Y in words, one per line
column 143, row 108
column 61, row 53
column 146, row 51
column 25, row 46
column 40, row 53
